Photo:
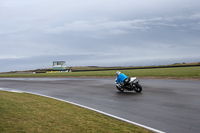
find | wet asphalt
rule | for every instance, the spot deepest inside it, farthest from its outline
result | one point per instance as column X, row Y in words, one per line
column 171, row 106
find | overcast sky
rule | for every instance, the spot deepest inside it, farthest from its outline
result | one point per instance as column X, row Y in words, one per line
column 34, row 33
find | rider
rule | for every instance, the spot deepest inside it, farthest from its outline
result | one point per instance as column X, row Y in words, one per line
column 122, row 78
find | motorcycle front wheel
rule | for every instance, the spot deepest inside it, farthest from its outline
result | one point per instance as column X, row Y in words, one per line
column 138, row 88
column 120, row 89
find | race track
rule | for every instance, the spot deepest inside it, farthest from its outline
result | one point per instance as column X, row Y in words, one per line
column 171, row 106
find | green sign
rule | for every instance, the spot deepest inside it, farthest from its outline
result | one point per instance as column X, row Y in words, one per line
column 59, row 65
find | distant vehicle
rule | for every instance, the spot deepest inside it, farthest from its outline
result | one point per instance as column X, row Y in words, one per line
column 132, row 84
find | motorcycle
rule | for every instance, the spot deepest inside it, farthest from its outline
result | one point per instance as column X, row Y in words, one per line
column 131, row 84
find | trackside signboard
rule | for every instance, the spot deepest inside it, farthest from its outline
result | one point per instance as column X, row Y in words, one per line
column 59, row 65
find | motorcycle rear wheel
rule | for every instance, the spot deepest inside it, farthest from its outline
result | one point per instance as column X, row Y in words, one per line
column 138, row 88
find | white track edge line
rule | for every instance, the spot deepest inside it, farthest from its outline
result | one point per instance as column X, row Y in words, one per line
column 104, row 113
column 107, row 114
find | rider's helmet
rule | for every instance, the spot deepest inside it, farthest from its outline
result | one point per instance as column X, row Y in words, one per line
column 118, row 72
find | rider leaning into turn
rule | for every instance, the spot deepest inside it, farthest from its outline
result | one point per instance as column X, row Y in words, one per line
column 121, row 77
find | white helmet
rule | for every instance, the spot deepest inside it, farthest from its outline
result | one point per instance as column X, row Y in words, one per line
column 118, row 73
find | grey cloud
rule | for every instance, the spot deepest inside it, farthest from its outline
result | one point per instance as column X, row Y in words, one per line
column 98, row 32
column 124, row 27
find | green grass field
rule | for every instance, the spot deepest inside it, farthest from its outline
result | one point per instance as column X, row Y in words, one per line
column 190, row 72
column 27, row 113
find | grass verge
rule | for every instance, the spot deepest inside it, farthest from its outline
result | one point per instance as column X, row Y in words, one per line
column 189, row 72
column 22, row 112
